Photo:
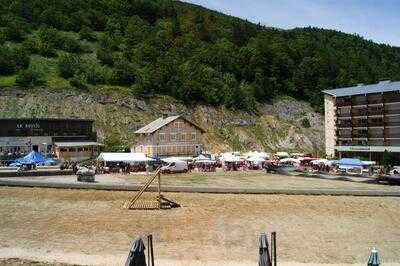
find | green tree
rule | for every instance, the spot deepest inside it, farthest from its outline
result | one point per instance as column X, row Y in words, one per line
column 69, row 65
column 30, row 78
column 87, row 34
column 12, row 59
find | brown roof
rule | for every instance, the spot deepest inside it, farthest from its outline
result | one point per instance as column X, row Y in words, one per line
column 161, row 122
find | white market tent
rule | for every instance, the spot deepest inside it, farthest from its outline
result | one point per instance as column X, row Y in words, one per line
column 255, row 159
column 256, row 154
column 206, row 161
column 201, row 157
column 126, row 157
column 171, row 160
column 230, row 158
column 320, row 161
column 282, row 154
column 289, row 160
column 323, row 161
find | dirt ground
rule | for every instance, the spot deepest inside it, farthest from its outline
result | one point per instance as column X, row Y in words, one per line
column 89, row 227
column 240, row 179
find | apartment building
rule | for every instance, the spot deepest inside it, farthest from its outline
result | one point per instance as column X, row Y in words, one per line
column 169, row 136
column 363, row 120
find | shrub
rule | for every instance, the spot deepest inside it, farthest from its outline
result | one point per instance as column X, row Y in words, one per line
column 12, row 60
column 87, row 33
column 77, row 82
column 305, row 122
column 124, row 72
column 70, row 44
column 68, row 65
column 29, row 78
column 106, row 57
column 14, row 32
column 96, row 74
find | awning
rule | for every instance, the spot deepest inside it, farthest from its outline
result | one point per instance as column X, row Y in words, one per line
column 77, row 144
column 351, row 162
column 32, row 158
column 126, row 157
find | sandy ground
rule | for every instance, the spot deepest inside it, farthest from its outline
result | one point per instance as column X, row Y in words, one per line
column 88, row 227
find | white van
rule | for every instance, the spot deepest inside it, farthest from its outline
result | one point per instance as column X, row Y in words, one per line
column 175, row 167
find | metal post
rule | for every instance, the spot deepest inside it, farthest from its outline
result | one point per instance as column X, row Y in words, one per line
column 151, row 250
column 159, row 189
column 273, row 236
column 148, row 250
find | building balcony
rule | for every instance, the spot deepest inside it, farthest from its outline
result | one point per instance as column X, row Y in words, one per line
column 342, row 103
column 392, row 111
column 392, row 98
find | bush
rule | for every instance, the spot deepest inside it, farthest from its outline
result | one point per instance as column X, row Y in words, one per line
column 29, row 78
column 95, row 74
column 124, row 72
column 87, row 33
column 15, row 33
column 105, row 56
column 68, row 65
column 12, row 60
column 77, row 82
column 70, row 44
column 305, row 123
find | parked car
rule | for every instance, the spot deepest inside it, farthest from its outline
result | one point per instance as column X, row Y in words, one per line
column 175, row 167
column 85, row 175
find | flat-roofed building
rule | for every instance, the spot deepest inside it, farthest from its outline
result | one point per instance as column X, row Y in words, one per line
column 363, row 120
column 169, row 136
column 69, row 139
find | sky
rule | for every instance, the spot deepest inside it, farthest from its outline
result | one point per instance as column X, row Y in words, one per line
column 376, row 20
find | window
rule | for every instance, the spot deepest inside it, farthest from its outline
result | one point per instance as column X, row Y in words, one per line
column 162, row 137
column 173, row 136
column 178, row 124
column 183, row 136
column 193, row 136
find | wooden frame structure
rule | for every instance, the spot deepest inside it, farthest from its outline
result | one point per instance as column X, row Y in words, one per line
column 160, row 203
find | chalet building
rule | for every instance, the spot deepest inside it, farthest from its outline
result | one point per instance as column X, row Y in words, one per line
column 363, row 120
column 169, row 136
column 67, row 139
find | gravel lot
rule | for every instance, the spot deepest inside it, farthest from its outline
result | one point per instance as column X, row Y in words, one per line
column 89, row 227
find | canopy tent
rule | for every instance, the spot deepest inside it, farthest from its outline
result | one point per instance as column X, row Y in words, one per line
column 126, row 157
column 282, row 154
column 33, row 157
column 256, row 159
column 201, row 157
column 320, row 161
column 289, row 160
column 256, row 154
column 298, row 154
column 171, row 160
column 206, row 161
column 307, row 159
column 228, row 157
column 351, row 162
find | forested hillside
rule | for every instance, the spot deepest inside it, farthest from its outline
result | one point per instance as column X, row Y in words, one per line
column 147, row 47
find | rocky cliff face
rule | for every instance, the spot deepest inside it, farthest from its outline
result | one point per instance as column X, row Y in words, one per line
column 285, row 125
